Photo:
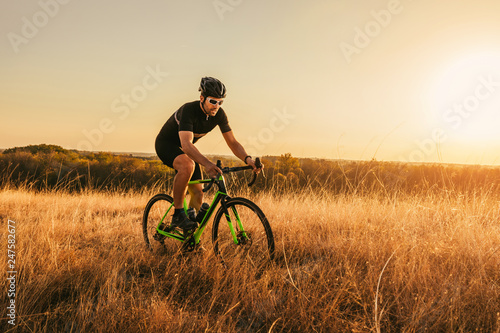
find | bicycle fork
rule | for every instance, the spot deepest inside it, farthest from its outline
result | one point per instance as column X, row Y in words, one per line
column 235, row 227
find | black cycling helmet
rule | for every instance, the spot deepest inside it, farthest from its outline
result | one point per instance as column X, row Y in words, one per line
column 210, row 86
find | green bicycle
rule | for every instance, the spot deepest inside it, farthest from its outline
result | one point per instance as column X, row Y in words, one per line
column 240, row 230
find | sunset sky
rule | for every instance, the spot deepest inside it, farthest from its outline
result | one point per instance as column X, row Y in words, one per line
column 392, row 80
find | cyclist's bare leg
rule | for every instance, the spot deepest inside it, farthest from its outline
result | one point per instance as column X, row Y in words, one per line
column 196, row 192
column 185, row 168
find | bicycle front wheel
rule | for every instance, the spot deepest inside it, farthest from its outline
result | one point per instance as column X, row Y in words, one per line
column 242, row 234
column 158, row 209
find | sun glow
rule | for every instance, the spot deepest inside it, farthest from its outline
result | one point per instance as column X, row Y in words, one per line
column 465, row 99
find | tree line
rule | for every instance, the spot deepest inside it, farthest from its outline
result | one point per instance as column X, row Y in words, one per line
column 47, row 167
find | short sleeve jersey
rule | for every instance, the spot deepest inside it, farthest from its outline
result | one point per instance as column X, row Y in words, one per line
column 190, row 117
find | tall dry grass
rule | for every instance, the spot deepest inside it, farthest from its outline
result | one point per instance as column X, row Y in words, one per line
column 344, row 263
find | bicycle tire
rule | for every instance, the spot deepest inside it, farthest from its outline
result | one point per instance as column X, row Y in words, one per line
column 256, row 241
column 155, row 209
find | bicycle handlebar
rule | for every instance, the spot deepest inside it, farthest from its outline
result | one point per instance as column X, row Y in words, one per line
column 258, row 164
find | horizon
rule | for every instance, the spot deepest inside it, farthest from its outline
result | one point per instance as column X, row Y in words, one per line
column 229, row 156
column 393, row 80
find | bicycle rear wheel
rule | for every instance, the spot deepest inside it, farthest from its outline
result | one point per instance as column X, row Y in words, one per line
column 158, row 209
column 244, row 235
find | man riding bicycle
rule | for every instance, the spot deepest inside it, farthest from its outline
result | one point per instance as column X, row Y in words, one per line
column 175, row 146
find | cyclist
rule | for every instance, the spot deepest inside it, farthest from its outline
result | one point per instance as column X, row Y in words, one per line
column 175, row 146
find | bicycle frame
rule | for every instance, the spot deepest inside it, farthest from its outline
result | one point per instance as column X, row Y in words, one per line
column 220, row 197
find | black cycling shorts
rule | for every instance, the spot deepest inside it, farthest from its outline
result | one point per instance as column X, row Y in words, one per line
column 167, row 152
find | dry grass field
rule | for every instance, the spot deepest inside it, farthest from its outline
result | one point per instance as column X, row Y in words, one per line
column 346, row 263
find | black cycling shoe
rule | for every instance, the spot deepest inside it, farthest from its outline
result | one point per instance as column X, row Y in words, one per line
column 183, row 222
column 191, row 213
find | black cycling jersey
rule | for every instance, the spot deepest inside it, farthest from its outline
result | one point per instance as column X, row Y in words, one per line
column 190, row 117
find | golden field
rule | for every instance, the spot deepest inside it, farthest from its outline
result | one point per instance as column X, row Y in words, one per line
column 344, row 263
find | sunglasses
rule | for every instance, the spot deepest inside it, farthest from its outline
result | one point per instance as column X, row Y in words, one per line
column 213, row 101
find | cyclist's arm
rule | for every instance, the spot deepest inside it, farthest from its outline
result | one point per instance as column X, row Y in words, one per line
column 238, row 149
column 190, row 150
